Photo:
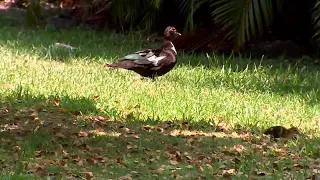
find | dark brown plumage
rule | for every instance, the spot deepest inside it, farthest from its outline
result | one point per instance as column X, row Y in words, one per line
column 151, row 62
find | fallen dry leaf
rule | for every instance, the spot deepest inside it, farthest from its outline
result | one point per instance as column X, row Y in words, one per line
column 57, row 103
column 91, row 161
column 199, row 168
column 80, row 163
column 173, row 162
column 160, row 170
column 124, row 129
column 16, row 148
column 126, row 177
column 16, row 156
column 95, row 98
column 89, row 175
column 59, row 135
column 238, row 147
column 41, row 172
column 63, row 111
column 76, row 113
column 82, row 134
column 229, row 172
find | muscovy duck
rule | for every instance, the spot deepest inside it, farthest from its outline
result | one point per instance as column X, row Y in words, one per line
column 151, row 62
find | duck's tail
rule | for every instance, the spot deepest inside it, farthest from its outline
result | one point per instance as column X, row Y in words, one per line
column 114, row 65
column 123, row 64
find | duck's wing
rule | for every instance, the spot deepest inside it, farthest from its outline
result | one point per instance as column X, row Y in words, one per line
column 144, row 57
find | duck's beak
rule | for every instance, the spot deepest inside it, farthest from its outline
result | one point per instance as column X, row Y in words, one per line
column 176, row 35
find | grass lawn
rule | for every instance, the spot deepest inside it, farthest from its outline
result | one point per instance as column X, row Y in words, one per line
column 63, row 115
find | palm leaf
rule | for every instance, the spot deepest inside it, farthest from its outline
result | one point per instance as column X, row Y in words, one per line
column 244, row 19
column 188, row 8
column 316, row 19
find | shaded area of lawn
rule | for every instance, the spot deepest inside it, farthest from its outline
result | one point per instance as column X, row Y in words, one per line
column 44, row 139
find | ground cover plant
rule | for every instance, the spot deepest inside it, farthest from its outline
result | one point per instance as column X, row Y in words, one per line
column 64, row 116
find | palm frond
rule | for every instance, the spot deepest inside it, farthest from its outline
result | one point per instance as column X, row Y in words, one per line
column 244, row 19
column 188, row 8
column 316, row 19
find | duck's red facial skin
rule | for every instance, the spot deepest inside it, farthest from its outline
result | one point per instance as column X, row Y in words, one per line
column 171, row 32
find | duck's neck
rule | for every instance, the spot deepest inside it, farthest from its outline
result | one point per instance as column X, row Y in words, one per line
column 168, row 45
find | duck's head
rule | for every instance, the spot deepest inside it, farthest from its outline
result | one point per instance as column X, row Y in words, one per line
column 171, row 33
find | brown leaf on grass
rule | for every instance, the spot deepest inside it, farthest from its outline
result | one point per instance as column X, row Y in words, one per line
column 186, row 125
column 148, row 128
column 16, row 148
column 39, row 154
column 173, row 162
column 91, row 161
column 126, row 177
column 59, row 135
column 41, row 172
column 261, row 173
column 100, row 119
column 159, row 129
column 199, row 168
column 178, row 156
column 76, row 113
column 238, row 147
column 190, row 141
column 316, row 171
column 189, row 158
column 65, row 153
column 40, row 106
column 62, row 162
column 82, row 134
column 34, row 115
column 137, row 106
column 95, row 98
column 228, row 173
column 15, row 156
column 175, row 176
column 89, row 175
column 132, row 147
column 57, row 103
column 209, row 167
column 222, row 126
column 124, row 129
column 80, row 162
column 63, row 111
column 160, row 170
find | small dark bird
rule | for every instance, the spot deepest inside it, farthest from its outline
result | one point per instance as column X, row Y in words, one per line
column 151, row 62
column 282, row 132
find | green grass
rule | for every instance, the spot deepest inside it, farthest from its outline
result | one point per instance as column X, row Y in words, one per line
column 245, row 93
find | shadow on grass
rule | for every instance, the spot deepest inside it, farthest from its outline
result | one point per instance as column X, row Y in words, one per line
column 39, row 139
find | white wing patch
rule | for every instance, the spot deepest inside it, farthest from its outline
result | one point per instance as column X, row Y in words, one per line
column 155, row 59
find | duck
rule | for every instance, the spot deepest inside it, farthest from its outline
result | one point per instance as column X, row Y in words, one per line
column 151, row 63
